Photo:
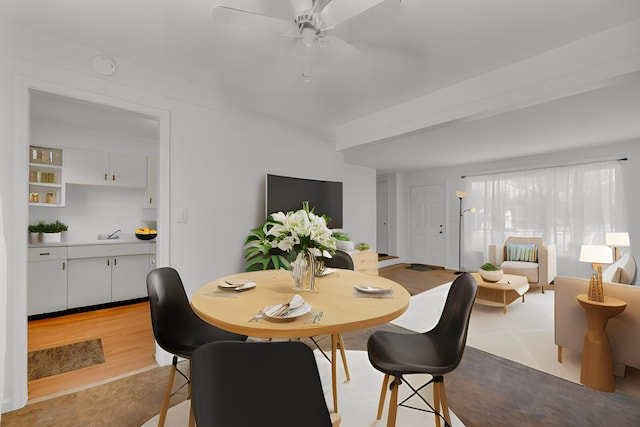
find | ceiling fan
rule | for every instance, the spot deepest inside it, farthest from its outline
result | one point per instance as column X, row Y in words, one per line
column 310, row 21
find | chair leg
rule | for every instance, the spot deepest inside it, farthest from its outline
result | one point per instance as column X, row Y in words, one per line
column 445, row 404
column 167, row 393
column 393, row 402
column 440, row 401
column 344, row 358
column 383, row 394
column 192, row 418
column 436, row 402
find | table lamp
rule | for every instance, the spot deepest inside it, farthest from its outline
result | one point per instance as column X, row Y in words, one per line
column 596, row 255
column 617, row 240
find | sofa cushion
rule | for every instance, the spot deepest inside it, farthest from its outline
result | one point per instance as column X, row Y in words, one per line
column 622, row 271
column 521, row 268
column 611, row 274
column 527, row 252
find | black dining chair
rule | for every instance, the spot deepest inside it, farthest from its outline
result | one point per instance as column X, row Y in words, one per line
column 340, row 259
column 436, row 352
column 248, row 384
column 176, row 328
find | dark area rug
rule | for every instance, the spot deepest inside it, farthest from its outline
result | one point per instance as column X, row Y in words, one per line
column 487, row 390
column 423, row 267
column 58, row 360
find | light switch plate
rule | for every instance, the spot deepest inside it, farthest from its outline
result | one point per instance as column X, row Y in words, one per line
column 183, row 215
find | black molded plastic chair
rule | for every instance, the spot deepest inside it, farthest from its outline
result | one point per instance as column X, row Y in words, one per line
column 248, row 384
column 435, row 352
column 340, row 259
column 176, row 328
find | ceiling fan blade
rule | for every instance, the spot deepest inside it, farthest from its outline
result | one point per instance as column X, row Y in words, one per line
column 338, row 11
column 229, row 16
column 301, row 5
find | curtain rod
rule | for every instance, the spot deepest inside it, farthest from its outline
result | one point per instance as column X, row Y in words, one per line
column 577, row 163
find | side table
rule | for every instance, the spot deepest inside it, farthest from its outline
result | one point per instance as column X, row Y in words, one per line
column 597, row 361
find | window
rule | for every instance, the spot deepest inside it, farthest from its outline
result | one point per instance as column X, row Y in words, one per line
column 566, row 206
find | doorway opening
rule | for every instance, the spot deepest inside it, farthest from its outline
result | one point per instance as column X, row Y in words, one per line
column 80, row 126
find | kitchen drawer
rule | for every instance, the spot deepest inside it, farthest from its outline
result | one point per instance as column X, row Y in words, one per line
column 108, row 250
column 47, row 254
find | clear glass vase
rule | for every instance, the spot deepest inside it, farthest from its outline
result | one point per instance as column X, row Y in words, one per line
column 303, row 269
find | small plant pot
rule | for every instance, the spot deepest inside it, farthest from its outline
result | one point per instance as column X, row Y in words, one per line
column 491, row 275
column 51, row 237
column 34, row 237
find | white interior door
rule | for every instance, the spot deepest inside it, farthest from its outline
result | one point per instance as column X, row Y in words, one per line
column 426, row 231
column 382, row 217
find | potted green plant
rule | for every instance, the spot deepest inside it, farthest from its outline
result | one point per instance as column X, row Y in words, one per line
column 52, row 231
column 343, row 241
column 34, row 231
column 490, row 272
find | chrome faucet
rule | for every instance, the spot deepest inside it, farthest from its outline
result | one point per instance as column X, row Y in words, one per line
column 113, row 235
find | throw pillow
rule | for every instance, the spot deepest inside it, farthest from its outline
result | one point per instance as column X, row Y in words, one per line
column 527, row 252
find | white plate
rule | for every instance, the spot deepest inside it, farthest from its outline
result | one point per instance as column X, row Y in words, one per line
column 303, row 309
column 327, row 271
column 372, row 289
column 236, row 285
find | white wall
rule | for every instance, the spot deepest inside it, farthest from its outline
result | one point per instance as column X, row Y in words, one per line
column 217, row 163
column 451, row 178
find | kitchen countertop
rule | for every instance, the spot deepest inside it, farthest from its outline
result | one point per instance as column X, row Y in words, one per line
column 84, row 241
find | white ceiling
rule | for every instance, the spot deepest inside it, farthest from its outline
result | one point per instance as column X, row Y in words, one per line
column 407, row 50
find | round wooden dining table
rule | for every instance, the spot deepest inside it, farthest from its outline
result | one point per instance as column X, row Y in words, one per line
column 335, row 306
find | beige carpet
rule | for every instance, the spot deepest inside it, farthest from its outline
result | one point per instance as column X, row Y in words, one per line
column 357, row 399
column 58, row 360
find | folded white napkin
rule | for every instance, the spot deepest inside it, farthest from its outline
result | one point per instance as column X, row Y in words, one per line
column 281, row 310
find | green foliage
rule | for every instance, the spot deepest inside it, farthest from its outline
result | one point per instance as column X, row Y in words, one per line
column 258, row 253
column 489, row 267
column 339, row 235
column 54, row 227
column 362, row 246
column 37, row 227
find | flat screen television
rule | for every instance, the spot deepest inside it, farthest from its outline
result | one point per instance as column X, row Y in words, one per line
column 286, row 194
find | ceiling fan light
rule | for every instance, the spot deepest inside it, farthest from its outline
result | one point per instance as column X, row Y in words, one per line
column 308, row 34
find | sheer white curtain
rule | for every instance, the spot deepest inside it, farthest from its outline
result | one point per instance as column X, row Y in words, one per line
column 568, row 206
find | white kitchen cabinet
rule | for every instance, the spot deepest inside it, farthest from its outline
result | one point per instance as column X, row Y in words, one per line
column 101, row 168
column 100, row 274
column 47, row 280
column 129, row 277
column 151, row 191
column 89, row 282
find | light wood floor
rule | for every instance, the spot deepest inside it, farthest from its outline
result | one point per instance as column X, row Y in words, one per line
column 127, row 340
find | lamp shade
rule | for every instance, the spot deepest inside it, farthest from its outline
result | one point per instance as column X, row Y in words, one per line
column 461, row 194
column 596, row 254
column 618, row 240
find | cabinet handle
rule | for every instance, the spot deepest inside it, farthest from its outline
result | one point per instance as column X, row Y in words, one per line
column 115, row 261
column 45, row 253
column 150, row 200
column 113, row 177
column 64, row 265
column 108, row 262
column 105, row 176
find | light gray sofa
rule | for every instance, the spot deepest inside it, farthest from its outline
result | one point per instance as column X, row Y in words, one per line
column 623, row 330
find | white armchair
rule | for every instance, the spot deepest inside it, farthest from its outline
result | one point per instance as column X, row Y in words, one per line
column 526, row 256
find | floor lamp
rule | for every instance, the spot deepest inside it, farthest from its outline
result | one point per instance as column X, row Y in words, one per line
column 461, row 195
